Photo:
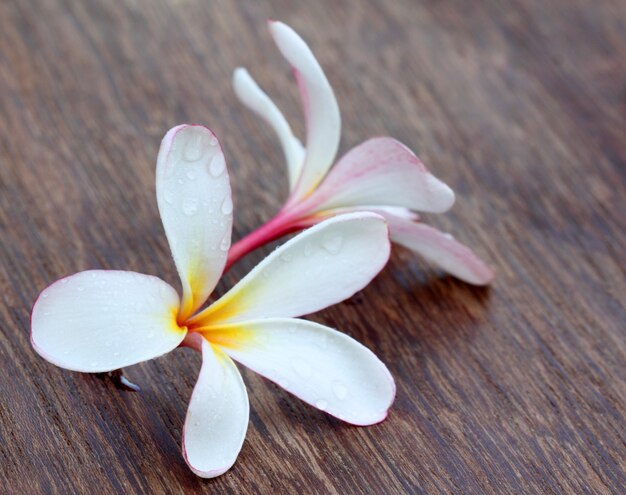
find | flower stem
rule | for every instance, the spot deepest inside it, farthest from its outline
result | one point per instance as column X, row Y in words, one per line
column 282, row 224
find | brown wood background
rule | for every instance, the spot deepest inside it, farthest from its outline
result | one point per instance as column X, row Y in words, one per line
column 520, row 106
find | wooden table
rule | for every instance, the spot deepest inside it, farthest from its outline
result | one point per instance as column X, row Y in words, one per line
column 519, row 106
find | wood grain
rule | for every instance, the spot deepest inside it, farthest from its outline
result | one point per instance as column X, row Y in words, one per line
column 520, row 106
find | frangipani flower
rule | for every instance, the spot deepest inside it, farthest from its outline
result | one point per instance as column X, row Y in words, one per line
column 379, row 175
column 101, row 320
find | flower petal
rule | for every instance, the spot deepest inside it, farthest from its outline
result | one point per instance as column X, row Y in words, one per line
column 321, row 109
column 252, row 96
column 217, row 418
column 193, row 193
column 322, row 366
column 439, row 248
column 102, row 320
column 321, row 266
column 384, row 172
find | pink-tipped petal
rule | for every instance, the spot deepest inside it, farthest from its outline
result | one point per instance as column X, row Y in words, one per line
column 439, row 248
column 102, row 320
column 319, row 267
column 384, row 172
column 194, row 198
column 321, row 109
column 253, row 97
column 321, row 366
column 217, row 418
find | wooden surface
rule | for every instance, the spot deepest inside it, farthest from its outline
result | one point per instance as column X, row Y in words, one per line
column 519, row 106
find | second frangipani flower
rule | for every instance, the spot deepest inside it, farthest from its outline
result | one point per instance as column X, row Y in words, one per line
column 102, row 320
column 380, row 175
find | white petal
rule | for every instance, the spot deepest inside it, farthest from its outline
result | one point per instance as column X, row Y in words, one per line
column 217, row 418
column 320, row 106
column 321, row 266
column 384, row 211
column 255, row 99
column 101, row 320
column 439, row 248
column 322, row 366
column 383, row 172
column 193, row 193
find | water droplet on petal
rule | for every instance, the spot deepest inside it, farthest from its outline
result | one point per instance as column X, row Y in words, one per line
column 301, row 367
column 190, row 206
column 332, row 243
column 286, row 257
column 217, row 165
column 449, row 236
column 340, row 390
column 169, row 197
column 227, row 205
column 225, row 243
column 321, row 404
column 194, row 147
column 308, row 249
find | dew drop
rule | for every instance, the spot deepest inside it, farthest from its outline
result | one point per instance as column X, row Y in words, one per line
column 225, row 243
column 321, row 404
column 193, row 148
column 308, row 249
column 340, row 390
column 449, row 236
column 190, row 206
column 44, row 295
column 332, row 243
column 301, row 367
column 217, row 165
column 169, row 197
column 227, row 206
column 286, row 257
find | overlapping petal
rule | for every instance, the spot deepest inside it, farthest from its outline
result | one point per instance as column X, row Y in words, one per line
column 256, row 100
column 381, row 172
column 195, row 203
column 217, row 418
column 439, row 248
column 320, row 107
column 319, row 267
column 101, row 320
column 322, row 366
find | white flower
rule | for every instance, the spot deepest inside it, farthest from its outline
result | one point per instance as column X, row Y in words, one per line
column 103, row 320
column 380, row 175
